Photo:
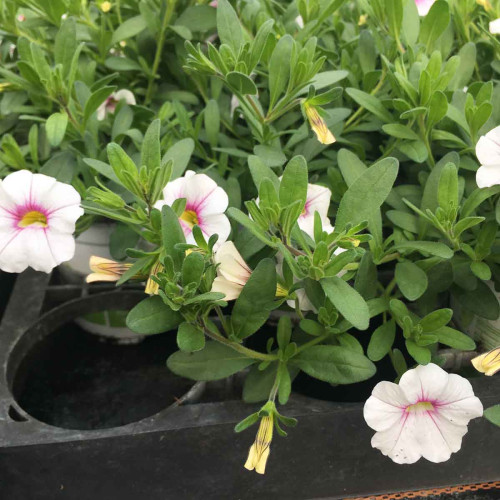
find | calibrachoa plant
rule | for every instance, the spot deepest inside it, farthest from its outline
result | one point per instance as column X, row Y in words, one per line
column 315, row 187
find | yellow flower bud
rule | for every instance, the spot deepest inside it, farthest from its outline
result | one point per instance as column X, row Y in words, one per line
column 105, row 6
column 318, row 125
column 485, row 4
column 152, row 286
column 488, row 363
column 260, row 449
column 106, row 269
column 362, row 19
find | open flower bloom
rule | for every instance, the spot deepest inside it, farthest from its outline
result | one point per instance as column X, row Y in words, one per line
column 424, row 6
column 205, row 205
column 37, row 221
column 426, row 415
column 109, row 105
column 318, row 200
column 106, row 269
column 260, row 449
column 488, row 363
column 495, row 27
column 488, row 154
column 318, row 125
column 232, row 272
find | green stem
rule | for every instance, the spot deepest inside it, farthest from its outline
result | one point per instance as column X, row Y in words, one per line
column 159, row 48
column 249, row 353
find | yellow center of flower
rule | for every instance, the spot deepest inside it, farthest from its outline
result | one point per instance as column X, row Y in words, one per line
column 189, row 217
column 106, row 6
column 33, row 218
column 420, row 406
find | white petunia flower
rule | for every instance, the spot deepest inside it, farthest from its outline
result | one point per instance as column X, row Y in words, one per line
column 424, row 6
column 37, row 221
column 426, row 415
column 299, row 21
column 109, row 105
column 318, row 200
column 205, row 205
column 232, row 273
column 488, row 154
column 495, row 27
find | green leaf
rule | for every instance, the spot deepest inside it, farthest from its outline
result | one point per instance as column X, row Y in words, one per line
column 453, row 338
column 172, row 234
column 348, row 301
column 350, row 166
column 435, row 23
column 251, row 309
column 128, row 29
column 293, row 185
column 411, row 280
column 190, row 338
column 150, row 150
column 241, row 83
column 421, row 355
column 493, row 414
column 260, row 171
column 435, row 320
column 192, row 269
column 334, row 364
column 481, row 301
column 427, row 247
column 180, row 154
column 258, row 383
column 381, row 341
column 56, row 128
column 212, row 122
column 414, row 150
column 438, row 107
column 65, row 44
column 228, row 26
column 95, row 100
column 216, row 361
column 411, row 22
column 371, row 103
column 400, row 131
column 279, row 68
column 366, row 195
column 152, row 316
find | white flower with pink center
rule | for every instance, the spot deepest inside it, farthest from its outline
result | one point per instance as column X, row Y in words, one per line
column 425, row 415
column 206, row 203
column 318, row 200
column 488, row 154
column 424, row 6
column 109, row 105
column 37, row 221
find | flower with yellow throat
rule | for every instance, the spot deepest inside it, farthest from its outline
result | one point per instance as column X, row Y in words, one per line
column 260, row 449
column 318, row 124
column 105, row 6
column 488, row 363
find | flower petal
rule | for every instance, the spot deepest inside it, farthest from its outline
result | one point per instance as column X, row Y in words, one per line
column 231, row 264
column 385, row 407
column 488, row 148
column 424, row 383
column 487, row 176
column 229, row 288
column 215, row 224
column 398, row 442
column 124, row 95
column 424, row 6
column 204, row 196
column 495, row 27
column 12, row 250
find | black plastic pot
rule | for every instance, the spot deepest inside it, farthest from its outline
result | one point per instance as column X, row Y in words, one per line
column 190, row 451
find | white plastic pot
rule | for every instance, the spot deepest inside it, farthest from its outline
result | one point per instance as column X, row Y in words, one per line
column 109, row 325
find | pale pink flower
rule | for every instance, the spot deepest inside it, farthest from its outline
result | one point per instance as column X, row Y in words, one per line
column 488, row 154
column 37, row 221
column 495, row 27
column 318, row 200
column 205, row 205
column 232, row 271
column 426, row 415
column 109, row 105
column 424, row 6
